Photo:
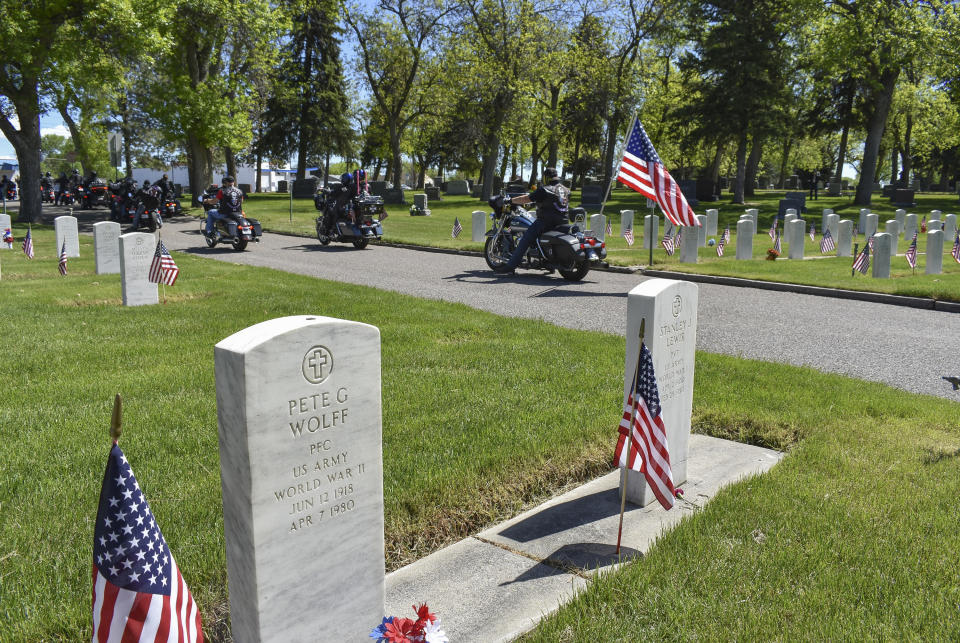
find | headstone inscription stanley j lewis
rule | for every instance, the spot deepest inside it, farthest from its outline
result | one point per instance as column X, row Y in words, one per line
column 299, row 414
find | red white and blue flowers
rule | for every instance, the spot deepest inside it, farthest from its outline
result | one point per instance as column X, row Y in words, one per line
column 425, row 629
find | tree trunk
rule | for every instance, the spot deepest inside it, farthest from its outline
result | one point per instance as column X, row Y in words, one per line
column 421, row 171
column 125, row 135
column 906, row 155
column 200, row 172
column 534, row 157
column 741, row 167
column 715, row 166
column 396, row 165
column 231, row 162
column 26, row 143
column 787, row 144
column 842, row 154
column 894, row 162
column 258, row 189
column 79, row 145
column 876, row 124
column 753, row 162
column 610, row 148
column 326, row 169
column 553, row 138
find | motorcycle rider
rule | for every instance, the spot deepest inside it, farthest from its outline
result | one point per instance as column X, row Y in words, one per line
column 164, row 185
column 3, row 187
column 147, row 198
column 46, row 182
column 229, row 202
column 552, row 198
column 62, row 185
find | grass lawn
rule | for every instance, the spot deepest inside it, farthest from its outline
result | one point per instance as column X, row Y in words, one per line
column 855, row 529
column 274, row 211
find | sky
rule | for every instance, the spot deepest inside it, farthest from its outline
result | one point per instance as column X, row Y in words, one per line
column 49, row 124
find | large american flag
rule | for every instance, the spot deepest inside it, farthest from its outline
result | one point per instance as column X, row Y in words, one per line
column 641, row 170
column 28, row 244
column 911, row 253
column 862, row 262
column 642, row 426
column 826, row 242
column 138, row 591
column 956, row 248
column 163, row 269
column 62, row 265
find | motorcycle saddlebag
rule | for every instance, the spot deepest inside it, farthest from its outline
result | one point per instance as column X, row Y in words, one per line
column 257, row 230
column 564, row 247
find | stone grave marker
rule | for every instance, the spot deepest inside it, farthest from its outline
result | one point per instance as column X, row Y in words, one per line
column 458, row 188
column 305, row 188
column 903, row 197
column 394, row 196
column 66, row 231
column 832, row 223
column 701, row 230
column 950, row 227
column 377, row 188
column 651, row 231
column 106, row 247
column 478, row 229
column 4, row 224
column 862, row 221
column 823, row 220
column 136, row 255
column 788, row 218
column 688, row 188
column 797, row 228
column 591, row 196
column 880, row 261
column 901, row 217
column 432, row 192
column 689, row 245
column 893, row 229
column 936, row 214
column 834, row 188
column 755, row 215
column 670, row 310
column 910, row 227
column 282, row 186
column 420, row 203
column 669, row 227
column 598, row 226
column 712, row 215
column 299, row 417
column 934, row 252
column 934, row 224
column 745, row 234
column 871, row 222
column 626, row 221
column 845, row 238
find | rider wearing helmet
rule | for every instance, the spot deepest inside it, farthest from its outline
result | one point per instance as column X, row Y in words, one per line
column 230, row 203
column 552, row 198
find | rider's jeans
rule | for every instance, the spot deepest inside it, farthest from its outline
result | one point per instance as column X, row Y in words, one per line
column 214, row 215
column 534, row 231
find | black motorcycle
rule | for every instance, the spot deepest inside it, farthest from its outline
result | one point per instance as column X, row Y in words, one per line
column 68, row 196
column 46, row 194
column 567, row 249
column 359, row 222
column 146, row 206
column 94, row 194
column 236, row 229
column 171, row 206
column 10, row 194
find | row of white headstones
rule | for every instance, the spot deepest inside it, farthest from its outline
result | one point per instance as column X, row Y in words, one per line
column 299, row 416
column 129, row 254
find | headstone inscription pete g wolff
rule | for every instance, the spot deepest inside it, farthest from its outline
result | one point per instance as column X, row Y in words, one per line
column 299, row 414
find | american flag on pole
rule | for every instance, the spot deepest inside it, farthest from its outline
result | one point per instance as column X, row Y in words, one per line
column 642, row 171
column 28, row 244
column 8, row 237
column 668, row 244
column 862, row 262
column 609, row 228
column 163, row 269
column 642, row 427
column 773, row 229
column 723, row 241
column 776, row 244
column 628, row 235
column 726, row 234
column 870, row 243
column 813, row 232
column 956, row 248
column 457, row 228
column 138, row 591
column 826, row 243
column 923, row 224
column 911, row 253
column 62, row 266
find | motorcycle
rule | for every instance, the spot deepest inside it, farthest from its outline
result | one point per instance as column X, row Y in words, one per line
column 68, row 196
column 11, row 191
column 93, row 194
column 171, row 206
column 359, row 224
column 567, row 249
column 46, row 194
column 237, row 229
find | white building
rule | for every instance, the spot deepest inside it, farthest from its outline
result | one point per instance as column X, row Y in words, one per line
column 246, row 174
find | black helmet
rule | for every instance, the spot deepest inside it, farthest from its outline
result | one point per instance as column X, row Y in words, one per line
column 228, row 179
column 47, row 174
column 549, row 173
column 146, row 183
column 93, row 175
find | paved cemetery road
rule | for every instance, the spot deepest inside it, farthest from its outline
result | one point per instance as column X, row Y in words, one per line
column 905, row 347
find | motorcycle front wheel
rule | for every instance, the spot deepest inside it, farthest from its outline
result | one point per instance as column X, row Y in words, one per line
column 497, row 250
column 322, row 236
column 152, row 224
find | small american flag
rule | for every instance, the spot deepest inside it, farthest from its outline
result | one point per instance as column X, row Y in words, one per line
column 813, row 232
column 862, row 262
column 8, row 237
column 457, row 228
column 138, row 591
column 826, row 243
column 923, row 224
column 720, row 244
column 956, row 248
column 628, row 235
column 911, row 253
column 641, row 170
column 773, row 229
column 776, row 244
column 609, row 228
column 28, row 244
column 62, row 266
column 668, row 244
column 726, row 234
column 642, row 427
column 163, row 269
column 870, row 243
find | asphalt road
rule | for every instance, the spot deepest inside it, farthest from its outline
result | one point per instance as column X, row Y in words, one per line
column 905, row 347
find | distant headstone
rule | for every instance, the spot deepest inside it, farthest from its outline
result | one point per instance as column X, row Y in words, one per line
column 478, row 228
column 845, row 238
column 476, row 191
column 136, row 255
column 950, row 227
column 651, row 231
column 845, row 185
column 669, row 228
column 887, row 191
column 420, row 200
column 787, row 204
column 793, row 183
column 598, row 226
column 799, row 197
column 901, row 217
column 870, row 223
column 862, row 221
column 797, row 235
column 106, row 247
column 66, row 231
column 910, row 227
column 755, row 215
column 702, row 230
column 934, row 252
column 282, row 187
column 934, row 224
column 305, row 188
column 432, row 192
column 706, row 189
column 832, row 223
column 393, row 196
column 893, row 229
column 4, row 225
column 377, row 188
column 689, row 245
column 299, row 417
column 936, row 214
column 712, row 215
column 788, row 218
column 745, row 232
column 670, row 311
column 519, row 187
column 823, row 218
column 834, row 188
column 880, row 262
column 626, row 221
column 591, row 196
column 458, row 188
column 903, row 197
column 244, row 187
column 689, row 190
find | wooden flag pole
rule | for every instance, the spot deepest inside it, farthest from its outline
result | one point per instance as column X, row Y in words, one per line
column 115, row 419
column 633, row 411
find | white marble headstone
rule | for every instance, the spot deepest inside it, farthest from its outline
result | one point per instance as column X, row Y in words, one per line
column 66, row 231
column 871, row 224
column 651, row 231
column 880, row 262
column 950, row 227
column 797, row 228
column 702, row 230
column 712, row 215
column 845, row 238
column 598, row 226
column 689, row 245
column 670, row 310
column 106, row 247
column 745, row 239
column 910, row 227
column 626, row 221
column 136, row 255
column 299, row 415
column 478, row 225
column 4, row 224
column 934, row 252
column 901, row 216
column 755, row 215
